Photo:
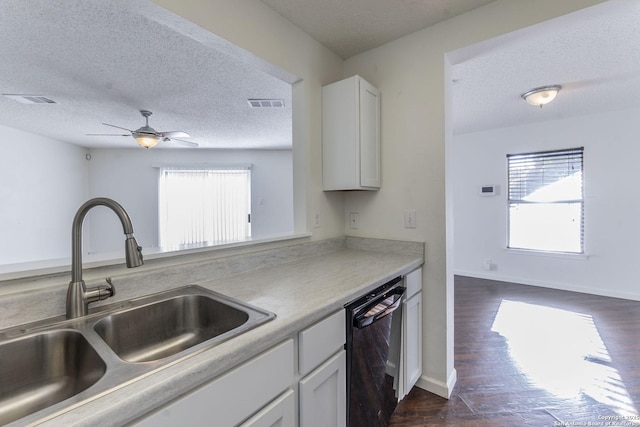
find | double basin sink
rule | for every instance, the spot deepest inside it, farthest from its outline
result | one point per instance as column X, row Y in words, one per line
column 49, row 366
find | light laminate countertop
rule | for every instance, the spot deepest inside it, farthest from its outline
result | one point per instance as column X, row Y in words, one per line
column 300, row 293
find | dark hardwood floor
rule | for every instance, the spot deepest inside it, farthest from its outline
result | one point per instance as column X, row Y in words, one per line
column 530, row 356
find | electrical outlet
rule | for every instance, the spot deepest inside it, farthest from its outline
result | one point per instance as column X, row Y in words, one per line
column 410, row 218
column 316, row 220
column 354, row 220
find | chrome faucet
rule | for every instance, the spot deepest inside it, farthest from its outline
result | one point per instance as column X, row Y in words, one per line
column 78, row 296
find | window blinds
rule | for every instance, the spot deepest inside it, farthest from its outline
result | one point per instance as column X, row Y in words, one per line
column 551, row 176
column 546, row 208
column 203, row 206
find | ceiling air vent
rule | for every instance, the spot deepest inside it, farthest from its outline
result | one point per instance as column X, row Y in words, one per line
column 30, row 99
column 266, row 103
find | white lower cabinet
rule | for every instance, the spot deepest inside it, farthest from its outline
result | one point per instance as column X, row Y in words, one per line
column 411, row 361
column 323, row 395
column 266, row 391
column 322, row 363
column 279, row 413
column 413, row 340
column 262, row 391
column 233, row 397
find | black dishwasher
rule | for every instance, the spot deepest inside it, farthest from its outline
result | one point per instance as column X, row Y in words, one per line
column 374, row 323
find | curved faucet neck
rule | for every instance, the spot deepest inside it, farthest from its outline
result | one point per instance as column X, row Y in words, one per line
column 76, row 231
column 78, row 295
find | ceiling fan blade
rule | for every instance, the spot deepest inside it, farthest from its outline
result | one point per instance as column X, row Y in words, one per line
column 184, row 143
column 175, row 134
column 119, row 127
column 106, row 134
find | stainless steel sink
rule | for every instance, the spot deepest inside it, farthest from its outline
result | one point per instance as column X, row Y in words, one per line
column 39, row 370
column 50, row 365
column 161, row 329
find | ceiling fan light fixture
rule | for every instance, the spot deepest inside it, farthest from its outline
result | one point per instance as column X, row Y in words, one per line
column 146, row 140
column 541, row 95
column 148, row 137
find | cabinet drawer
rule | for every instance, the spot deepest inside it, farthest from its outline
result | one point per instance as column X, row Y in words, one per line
column 320, row 341
column 232, row 397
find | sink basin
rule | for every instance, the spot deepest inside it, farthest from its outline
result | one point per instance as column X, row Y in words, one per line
column 39, row 370
column 161, row 329
column 50, row 365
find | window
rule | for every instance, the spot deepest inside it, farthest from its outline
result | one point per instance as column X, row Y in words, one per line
column 546, row 201
column 203, row 206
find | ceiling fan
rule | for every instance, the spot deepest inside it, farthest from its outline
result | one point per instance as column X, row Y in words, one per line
column 148, row 137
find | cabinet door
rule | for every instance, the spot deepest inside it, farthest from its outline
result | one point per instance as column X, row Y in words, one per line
column 323, row 394
column 279, row 413
column 412, row 357
column 340, row 135
column 369, row 135
column 350, row 135
column 413, row 282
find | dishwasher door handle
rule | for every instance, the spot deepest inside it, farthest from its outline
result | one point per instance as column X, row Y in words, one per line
column 375, row 311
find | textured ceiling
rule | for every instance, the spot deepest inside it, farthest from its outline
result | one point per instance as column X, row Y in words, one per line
column 354, row 26
column 593, row 53
column 102, row 61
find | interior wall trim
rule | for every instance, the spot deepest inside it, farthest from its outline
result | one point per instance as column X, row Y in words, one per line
column 634, row 296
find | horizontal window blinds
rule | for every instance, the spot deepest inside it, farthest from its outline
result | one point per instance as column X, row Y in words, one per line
column 545, row 197
column 552, row 176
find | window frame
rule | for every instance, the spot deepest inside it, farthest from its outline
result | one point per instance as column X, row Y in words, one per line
column 568, row 153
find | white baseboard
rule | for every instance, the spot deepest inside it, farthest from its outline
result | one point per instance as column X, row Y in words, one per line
column 544, row 284
column 438, row 387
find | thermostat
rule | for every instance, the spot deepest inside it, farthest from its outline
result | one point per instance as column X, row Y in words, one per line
column 488, row 190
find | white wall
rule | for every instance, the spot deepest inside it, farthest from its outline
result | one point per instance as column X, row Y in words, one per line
column 611, row 213
column 253, row 26
column 411, row 74
column 129, row 177
column 42, row 183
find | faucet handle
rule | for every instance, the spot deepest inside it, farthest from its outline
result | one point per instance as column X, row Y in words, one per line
column 110, row 288
column 104, row 291
column 99, row 293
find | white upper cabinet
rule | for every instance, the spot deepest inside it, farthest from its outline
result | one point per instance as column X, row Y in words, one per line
column 351, row 135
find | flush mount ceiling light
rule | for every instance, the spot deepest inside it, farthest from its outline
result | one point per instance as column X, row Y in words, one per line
column 541, row 95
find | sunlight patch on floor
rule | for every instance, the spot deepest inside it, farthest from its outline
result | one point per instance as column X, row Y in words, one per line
column 562, row 352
